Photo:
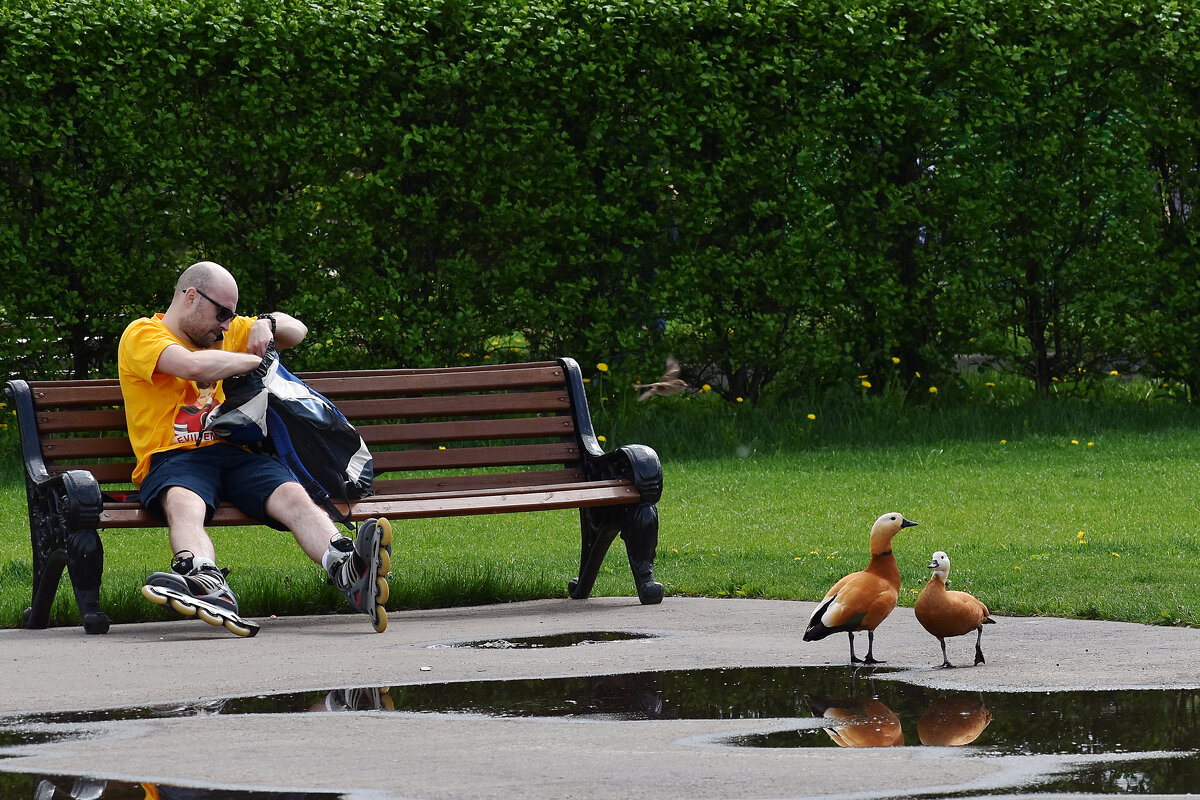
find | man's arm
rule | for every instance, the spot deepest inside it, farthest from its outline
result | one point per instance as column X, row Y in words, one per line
column 206, row 366
column 289, row 332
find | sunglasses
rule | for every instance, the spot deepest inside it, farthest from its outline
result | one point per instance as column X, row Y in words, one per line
column 224, row 313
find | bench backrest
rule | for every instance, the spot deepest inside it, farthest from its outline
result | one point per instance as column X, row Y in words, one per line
column 428, row 429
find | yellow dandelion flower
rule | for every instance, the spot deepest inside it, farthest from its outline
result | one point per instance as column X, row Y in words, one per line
column 866, row 384
column 1004, row 441
column 895, row 360
column 933, row 390
column 1074, row 441
column 601, row 439
column 1091, row 444
column 1114, row 372
column 602, row 367
column 705, row 388
column 739, row 399
column 797, row 558
column 1017, row 567
column 990, row 385
column 917, row 374
column 812, row 416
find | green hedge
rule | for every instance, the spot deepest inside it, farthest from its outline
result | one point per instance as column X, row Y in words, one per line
column 785, row 195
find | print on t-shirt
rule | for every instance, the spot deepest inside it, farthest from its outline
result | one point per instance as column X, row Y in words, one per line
column 189, row 422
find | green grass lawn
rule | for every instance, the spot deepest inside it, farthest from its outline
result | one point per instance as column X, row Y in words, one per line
column 1058, row 509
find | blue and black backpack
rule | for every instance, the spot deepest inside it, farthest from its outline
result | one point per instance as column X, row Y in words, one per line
column 272, row 410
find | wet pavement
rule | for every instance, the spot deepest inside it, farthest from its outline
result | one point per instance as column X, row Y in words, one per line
column 195, row 736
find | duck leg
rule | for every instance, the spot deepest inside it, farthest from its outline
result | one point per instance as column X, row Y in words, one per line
column 870, row 659
column 853, row 658
column 945, row 661
column 978, row 649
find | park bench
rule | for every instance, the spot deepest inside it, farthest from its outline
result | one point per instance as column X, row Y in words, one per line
column 445, row 442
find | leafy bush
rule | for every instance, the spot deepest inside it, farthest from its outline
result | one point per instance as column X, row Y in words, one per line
column 786, row 194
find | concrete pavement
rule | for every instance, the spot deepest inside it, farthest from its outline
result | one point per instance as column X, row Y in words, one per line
column 444, row 755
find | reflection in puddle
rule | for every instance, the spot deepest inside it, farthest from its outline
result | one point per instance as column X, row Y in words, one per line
column 573, row 639
column 42, row 787
column 858, row 721
column 1150, row 737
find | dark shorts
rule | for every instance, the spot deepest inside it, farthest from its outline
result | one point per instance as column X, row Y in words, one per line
column 218, row 472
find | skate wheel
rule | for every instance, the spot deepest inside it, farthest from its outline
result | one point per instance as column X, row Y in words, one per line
column 187, row 609
column 385, row 563
column 383, row 591
column 385, row 538
column 379, row 621
column 153, row 596
column 209, row 617
column 239, row 629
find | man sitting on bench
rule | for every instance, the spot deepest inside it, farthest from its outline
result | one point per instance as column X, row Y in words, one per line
column 171, row 366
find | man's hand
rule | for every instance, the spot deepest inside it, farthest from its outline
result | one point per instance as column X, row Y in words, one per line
column 261, row 337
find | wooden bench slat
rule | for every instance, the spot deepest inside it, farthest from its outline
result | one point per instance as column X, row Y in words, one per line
column 107, row 392
column 421, row 506
column 76, row 394
column 463, row 430
column 392, row 385
column 309, row 376
column 109, row 419
column 478, row 481
column 464, row 457
column 393, row 460
column 81, row 419
column 63, row 448
column 455, row 405
column 498, row 504
column 105, row 472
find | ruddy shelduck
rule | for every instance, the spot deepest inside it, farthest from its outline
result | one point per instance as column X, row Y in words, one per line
column 862, row 600
column 953, row 722
column 858, row 722
column 945, row 613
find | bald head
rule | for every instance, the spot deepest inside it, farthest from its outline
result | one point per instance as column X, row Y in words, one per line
column 205, row 276
column 204, row 302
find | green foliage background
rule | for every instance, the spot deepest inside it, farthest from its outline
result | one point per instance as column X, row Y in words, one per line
column 785, row 194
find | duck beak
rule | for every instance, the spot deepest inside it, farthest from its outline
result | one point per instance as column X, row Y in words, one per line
column 908, row 523
column 933, row 565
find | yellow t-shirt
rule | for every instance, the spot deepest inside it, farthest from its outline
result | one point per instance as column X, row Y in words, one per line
column 163, row 412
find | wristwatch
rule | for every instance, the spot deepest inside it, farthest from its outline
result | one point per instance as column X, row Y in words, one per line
column 270, row 318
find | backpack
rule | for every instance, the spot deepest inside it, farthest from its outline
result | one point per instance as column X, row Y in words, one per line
column 272, row 410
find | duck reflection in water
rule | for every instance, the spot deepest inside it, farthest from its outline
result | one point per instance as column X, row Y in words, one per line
column 953, row 722
column 858, row 722
column 868, row 722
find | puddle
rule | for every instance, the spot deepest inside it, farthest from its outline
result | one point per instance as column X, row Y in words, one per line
column 574, row 639
column 1134, row 741
column 43, row 787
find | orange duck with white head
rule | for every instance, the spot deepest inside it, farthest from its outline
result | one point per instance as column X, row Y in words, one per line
column 946, row 613
column 862, row 600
